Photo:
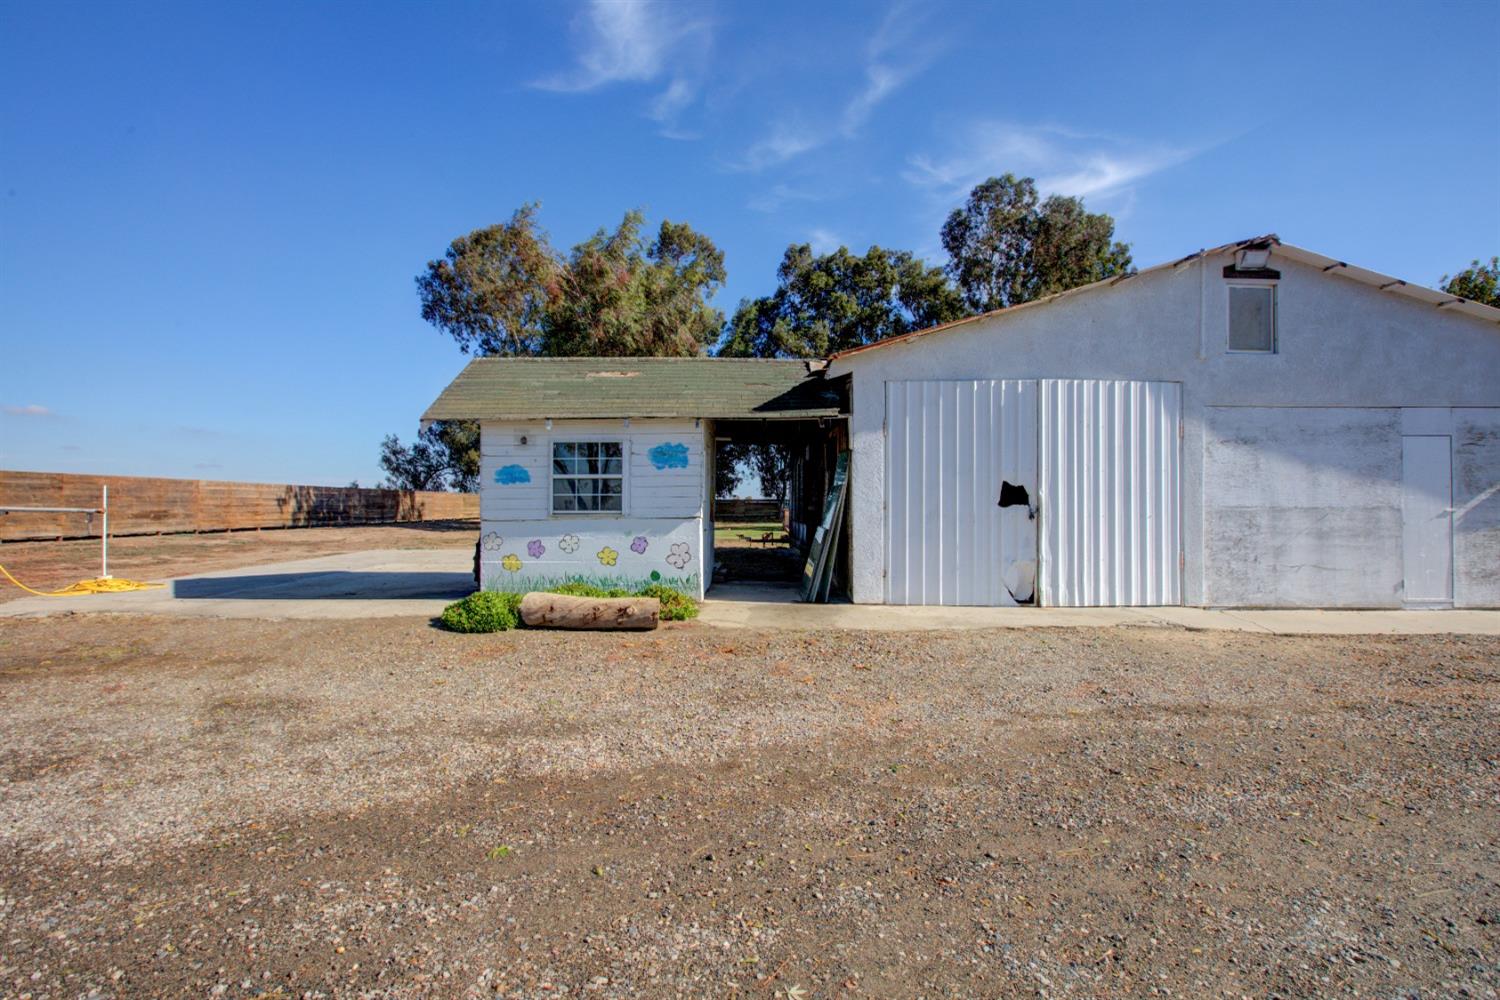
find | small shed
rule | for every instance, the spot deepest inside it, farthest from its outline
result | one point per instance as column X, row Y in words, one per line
column 602, row 469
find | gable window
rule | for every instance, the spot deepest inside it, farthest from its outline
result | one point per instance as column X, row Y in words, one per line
column 1252, row 318
column 588, row 477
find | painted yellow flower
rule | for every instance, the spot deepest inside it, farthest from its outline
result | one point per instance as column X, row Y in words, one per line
column 607, row 556
column 511, row 562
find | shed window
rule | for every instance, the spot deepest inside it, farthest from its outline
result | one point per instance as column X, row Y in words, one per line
column 588, row 476
column 1252, row 318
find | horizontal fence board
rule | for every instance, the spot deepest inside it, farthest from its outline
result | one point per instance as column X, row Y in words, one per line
column 140, row 505
column 740, row 509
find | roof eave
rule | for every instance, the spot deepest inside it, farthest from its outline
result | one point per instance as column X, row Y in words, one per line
column 1442, row 300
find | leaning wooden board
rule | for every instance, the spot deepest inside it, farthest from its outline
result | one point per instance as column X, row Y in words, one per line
column 819, row 555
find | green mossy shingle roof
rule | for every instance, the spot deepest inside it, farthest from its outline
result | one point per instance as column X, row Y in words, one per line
column 721, row 388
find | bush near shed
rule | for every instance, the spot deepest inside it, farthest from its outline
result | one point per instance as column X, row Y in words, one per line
column 491, row 611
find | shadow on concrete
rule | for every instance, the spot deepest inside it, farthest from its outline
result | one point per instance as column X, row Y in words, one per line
column 337, row 585
column 756, row 592
column 471, row 526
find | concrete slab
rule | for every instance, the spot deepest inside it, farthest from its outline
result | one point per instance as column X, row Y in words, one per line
column 419, row 583
column 374, row 584
column 776, row 606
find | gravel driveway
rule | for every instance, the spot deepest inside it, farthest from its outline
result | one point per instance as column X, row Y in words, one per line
column 242, row 808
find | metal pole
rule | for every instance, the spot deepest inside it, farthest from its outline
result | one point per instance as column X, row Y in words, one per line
column 104, row 538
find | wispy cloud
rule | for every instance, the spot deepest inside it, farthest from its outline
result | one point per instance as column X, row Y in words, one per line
column 824, row 240
column 1063, row 161
column 638, row 41
column 28, row 410
column 778, row 195
column 785, row 142
column 901, row 48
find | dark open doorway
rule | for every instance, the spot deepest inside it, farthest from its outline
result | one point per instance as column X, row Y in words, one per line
column 764, row 541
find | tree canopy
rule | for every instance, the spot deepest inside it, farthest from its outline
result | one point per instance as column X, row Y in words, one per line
column 504, row 290
column 831, row 302
column 1005, row 246
column 1478, row 282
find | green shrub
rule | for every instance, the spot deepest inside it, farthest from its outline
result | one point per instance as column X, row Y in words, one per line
column 582, row 588
column 491, row 611
column 675, row 605
column 485, row 611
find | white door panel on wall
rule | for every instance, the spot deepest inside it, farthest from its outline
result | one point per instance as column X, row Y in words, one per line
column 949, row 447
column 1427, row 518
column 1110, row 508
column 1302, row 506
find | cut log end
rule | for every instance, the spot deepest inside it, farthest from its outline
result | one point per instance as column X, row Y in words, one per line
column 541, row 610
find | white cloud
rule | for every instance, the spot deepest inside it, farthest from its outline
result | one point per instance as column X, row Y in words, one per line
column 1062, row 161
column 824, row 241
column 900, row 49
column 678, row 95
column 785, row 142
column 28, row 410
column 638, row 41
column 777, row 196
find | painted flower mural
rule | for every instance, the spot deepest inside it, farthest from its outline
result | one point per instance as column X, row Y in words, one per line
column 511, row 562
column 608, row 556
column 535, row 548
column 568, row 543
column 638, row 546
column 492, row 541
column 680, row 555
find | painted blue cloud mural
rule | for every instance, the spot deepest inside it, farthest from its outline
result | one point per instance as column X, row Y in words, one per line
column 512, row 475
column 672, row 455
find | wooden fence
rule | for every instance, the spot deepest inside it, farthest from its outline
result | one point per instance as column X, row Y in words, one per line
column 144, row 506
column 740, row 509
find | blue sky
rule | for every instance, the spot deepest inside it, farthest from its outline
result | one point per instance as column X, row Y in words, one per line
column 211, row 214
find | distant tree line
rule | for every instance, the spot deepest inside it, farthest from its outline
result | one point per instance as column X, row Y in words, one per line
column 506, row 291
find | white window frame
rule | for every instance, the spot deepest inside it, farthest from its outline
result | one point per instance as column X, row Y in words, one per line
column 624, row 476
column 1229, row 314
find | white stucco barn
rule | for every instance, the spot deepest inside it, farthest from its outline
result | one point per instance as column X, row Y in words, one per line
column 1254, row 425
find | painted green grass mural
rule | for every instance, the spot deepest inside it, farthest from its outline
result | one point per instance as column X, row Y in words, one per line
column 519, row 584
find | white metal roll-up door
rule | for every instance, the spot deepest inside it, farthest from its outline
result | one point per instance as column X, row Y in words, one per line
column 1109, row 474
column 949, row 446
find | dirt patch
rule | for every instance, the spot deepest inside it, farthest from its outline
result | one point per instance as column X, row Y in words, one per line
column 377, row 807
column 51, row 565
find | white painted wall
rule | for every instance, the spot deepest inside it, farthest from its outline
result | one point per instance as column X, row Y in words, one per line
column 1341, row 344
column 1302, row 506
column 1476, row 507
column 524, row 545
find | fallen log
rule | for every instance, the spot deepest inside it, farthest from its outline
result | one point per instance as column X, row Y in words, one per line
column 541, row 610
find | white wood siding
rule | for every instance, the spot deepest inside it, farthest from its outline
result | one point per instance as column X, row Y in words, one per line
column 671, row 491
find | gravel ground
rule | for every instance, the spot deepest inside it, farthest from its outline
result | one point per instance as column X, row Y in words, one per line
column 50, row 565
column 379, row 808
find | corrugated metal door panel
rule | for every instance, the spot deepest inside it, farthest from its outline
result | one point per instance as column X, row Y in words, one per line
column 949, row 444
column 1109, row 471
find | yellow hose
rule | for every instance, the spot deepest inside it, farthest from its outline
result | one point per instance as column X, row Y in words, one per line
column 101, row 585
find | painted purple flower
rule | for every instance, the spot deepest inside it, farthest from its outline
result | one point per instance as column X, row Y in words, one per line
column 535, row 548
column 639, row 545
